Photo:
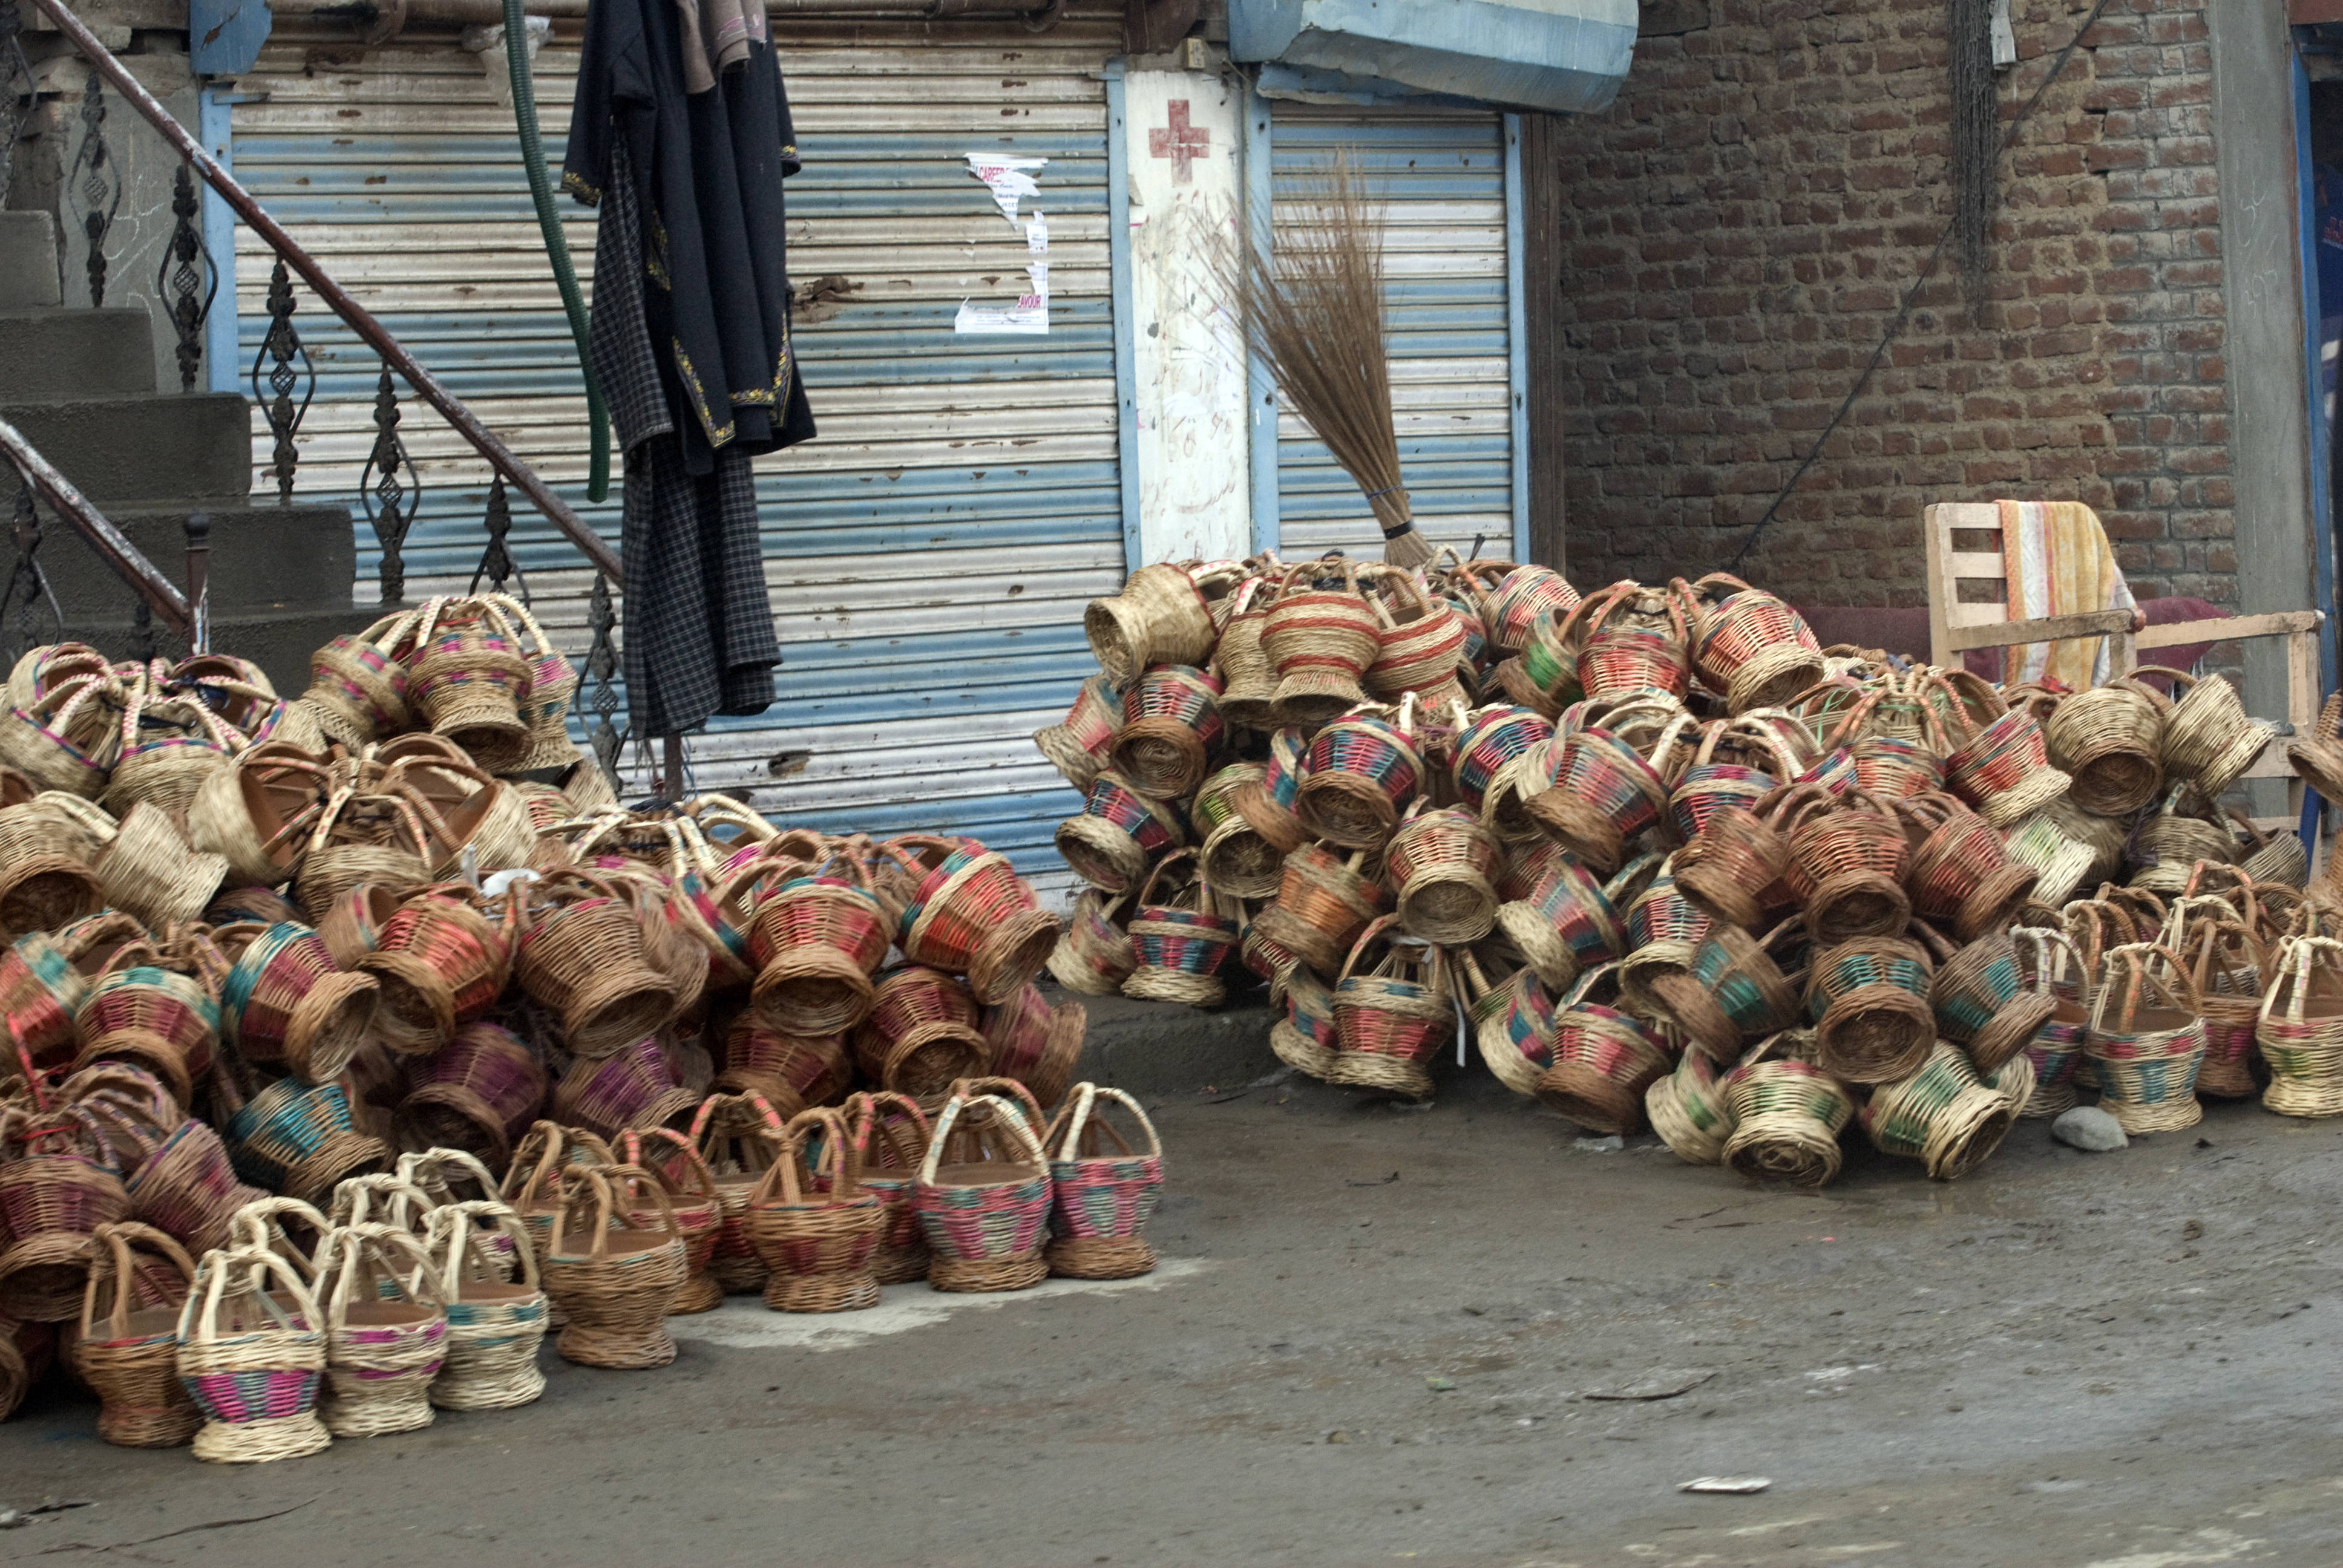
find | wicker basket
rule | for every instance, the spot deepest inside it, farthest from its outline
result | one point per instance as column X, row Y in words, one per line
column 1509, row 1009
column 814, row 942
column 495, row 1322
column 614, row 1290
column 1981, row 1000
column 1171, row 727
column 1738, row 988
column 42, row 883
column 2207, row 739
column 1604, row 1060
column 1180, row 937
column 1161, row 616
column 739, row 1136
column 1094, row 956
column 1733, row 867
column 1251, row 689
column 580, row 956
column 1323, row 902
column 44, row 979
column 814, row 1228
column 64, row 730
column 973, row 915
column 357, row 683
column 187, row 1188
column 921, row 1033
column 1787, row 1116
column 1100, row 1197
column 1869, row 1002
column 792, row 1070
column 1688, row 1111
column 674, row 1161
column 385, row 1330
column 633, row 1088
column 1944, row 1115
column 1959, row 872
column 477, row 1093
column 1750, row 645
column 2110, row 739
column 1604, row 795
column 1523, row 595
column 127, row 1349
column 891, row 1135
column 251, row 1355
column 2301, row 1028
column 1320, row 641
column 1443, row 867
column 298, row 1139
column 287, row 1005
column 2146, row 1039
column 2004, row 770
column 1034, row 1043
column 1419, row 638
column 1360, row 774
column 983, row 1211
column 150, row 871
column 1118, row 833
column 1564, row 922
column 1391, row 1010
column 2049, row 965
column 2226, row 964
column 157, row 1009
column 468, row 678
column 1660, row 935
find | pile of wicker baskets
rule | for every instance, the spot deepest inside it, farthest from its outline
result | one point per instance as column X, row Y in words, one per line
column 1678, row 867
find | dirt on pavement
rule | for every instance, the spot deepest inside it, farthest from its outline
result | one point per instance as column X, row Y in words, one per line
column 1387, row 1336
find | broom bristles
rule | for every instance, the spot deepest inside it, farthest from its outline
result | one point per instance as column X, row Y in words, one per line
column 1313, row 310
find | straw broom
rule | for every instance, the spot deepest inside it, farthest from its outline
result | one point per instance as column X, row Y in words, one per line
column 1312, row 310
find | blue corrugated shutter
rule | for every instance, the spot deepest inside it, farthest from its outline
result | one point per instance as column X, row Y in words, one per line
column 929, row 555
column 1443, row 172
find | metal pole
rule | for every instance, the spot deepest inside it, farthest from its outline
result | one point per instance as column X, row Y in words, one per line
column 104, row 537
column 376, row 336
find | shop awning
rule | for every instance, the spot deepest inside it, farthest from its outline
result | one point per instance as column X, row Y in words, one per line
column 1557, row 55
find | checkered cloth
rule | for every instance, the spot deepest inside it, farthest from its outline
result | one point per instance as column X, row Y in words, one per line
column 699, row 631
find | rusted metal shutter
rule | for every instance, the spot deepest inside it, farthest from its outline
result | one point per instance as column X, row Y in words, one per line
column 1441, row 173
column 929, row 555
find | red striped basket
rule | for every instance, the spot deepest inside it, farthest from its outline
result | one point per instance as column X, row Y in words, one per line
column 1172, row 728
column 1321, row 641
column 1180, row 937
column 738, row 1137
column 1442, row 869
column 1034, row 1043
column 1523, row 595
column 1960, row 871
column 478, row 1093
column 1604, row 795
column 891, row 1137
column 973, row 915
column 920, row 1033
column 1118, row 833
column 1359, row 774
column 1077, row 746
column 1750, row 645
column 1487, row 741
column 1604, row 1060
column 1420, row 639
column 442, row 960
column 791, row 1071
column 1391, row 1009
column 1564, row 923
column 1102, row 1197
column 634, row 1088
column 814, row 942
column 287, row 1004
column 1512, row 1015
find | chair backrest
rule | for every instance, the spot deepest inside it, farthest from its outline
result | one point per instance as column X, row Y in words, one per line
column 1956, row 626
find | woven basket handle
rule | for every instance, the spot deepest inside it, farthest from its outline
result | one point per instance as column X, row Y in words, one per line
column 904, row 1134
column 1147, row 889
column 1367, row 938
column 428, row 1170
column 824, row 1129
column 246, row 1269
column 2044, row 970
column 1084, row 1114
column 359, row 1258
column 583, row 1185
column 1007, row 1121
column 122, row 1274
column 2133, row 961
column 459, row 1232
column 644, row 1149
column 2297, row 956
column 1470, row 983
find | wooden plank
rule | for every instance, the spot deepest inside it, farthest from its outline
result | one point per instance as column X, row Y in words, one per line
column 1978, row 565
column 2053, row 628
column 1960, row 614
column 2302, row 678
column 2228, row 628
column 1950, row 514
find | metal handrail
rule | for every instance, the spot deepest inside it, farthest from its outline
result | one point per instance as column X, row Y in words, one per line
column 519, row 475
column 118, row 552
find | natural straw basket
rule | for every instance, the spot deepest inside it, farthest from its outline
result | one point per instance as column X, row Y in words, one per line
column 1443, row 867
column 922, row 1032
column 127, row 1350
column 149, row 871
column 1869, row 1002
column 793, row 1071
column 739, row 1136
column 1944, row 1115
column 287, row 1004
column 633, row 1088
column 2226, row 964
column 252, row 1357
column 385, row 1330
column 1161, row 616
column 495, row 1323
column 67, row 735
column 1244, row 663
column 1604, row 1062
column 814, row 942
column 614, row 1290
column 1035, row 1043
column 467, row 678
column 1739, row 986
column 1511, row 1012
column 1391, row 1010
column 1320, row 641
column 358, row 685
column 43, row 885
column 1172, row 726
column 2301, row 1028
column 2109, row 739
column 1359, row 774
column 984, row 1211
column 674, row 1161
column 2050, row 966
column 1324, row 900
column 1687, row 1109
column 2207, row 739
column 477, row 1093
column 973, row 915
column 1077, row 745
column 1118, row 833
column 1750, row 645
column 2147, row 1040
column 1787, row 1116
column 890, row 1136
column 1181, row 938
column 1094, row 956
column 814, row 1228
column 1100, row 1197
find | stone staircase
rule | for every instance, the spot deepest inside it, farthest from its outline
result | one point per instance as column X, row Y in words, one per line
column 81, row 386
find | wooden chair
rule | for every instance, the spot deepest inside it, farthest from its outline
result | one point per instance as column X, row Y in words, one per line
column 1955, row 627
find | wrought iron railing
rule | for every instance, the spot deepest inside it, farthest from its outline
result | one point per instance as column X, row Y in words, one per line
column 283, row 381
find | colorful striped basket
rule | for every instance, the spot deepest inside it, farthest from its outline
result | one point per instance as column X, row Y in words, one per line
column 385, row 1330
column 477, row 1093
column 581, row 956
column 1034, row 1043
column 43, row 981
column 1960, row 872
column 739, row 1136
column 357, row 682
column 1787, row 1116
column 1749, row 645
column 188, row 1189
column 2004, row 772
column 1179, row 935
column 634, row 1088
column 1306, row 1038
column 1420, row 639
column 983, row 1211
column 1980, row 998
column 814, row 943
column 298, row 1138
column 791, row 1071
column 127, row 1349
column 2226, row 963
column 1688, row 1111
column 1443, row 867
column 468, row 677
column 1945, row 1115
column 1512, row 1015
column 2301, row 1028
column 1737, row 989
column 1604, row 795
column 157, row 1009
column 814, row 1228
column 441, row 959
column 1100, row 1197
column 2146, row 1039
column 922, row 1032
column 1094, row 956
column 1321, row 641
column 1077, row 746
column 973, row 915
column 674, row 1161
column 1488, row 740
column 1252, row 684
column 495, row 1322
column 1118, row 833
column 1563, row 922
column 252, row 1354
column 1661, row 932
column 287, row 1004
column 1393, row 1010
column 1324, row 901
column 1171, row 727
column 891, row 1135
column 1605, row 1058
column 2050, row 966
column 1868, row 1000
column 1732, row 869
column 1359, row 774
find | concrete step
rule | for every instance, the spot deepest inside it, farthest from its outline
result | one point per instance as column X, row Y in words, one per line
column 48, row 354
column 152, row 447
column 280, row 643
column 28, row 260
column 265, row 558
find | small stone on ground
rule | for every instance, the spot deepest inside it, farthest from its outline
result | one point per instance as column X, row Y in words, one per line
column 2088, row 1128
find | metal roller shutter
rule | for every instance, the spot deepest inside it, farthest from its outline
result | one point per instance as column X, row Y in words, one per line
column 929, row 555
column 1445, row 272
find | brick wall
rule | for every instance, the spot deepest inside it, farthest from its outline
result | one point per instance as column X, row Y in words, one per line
column 1741, row 226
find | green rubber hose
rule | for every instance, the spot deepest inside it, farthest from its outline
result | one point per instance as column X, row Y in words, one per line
column 557, row 247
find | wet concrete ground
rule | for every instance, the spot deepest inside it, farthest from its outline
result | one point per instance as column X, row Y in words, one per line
column 1382, row 1340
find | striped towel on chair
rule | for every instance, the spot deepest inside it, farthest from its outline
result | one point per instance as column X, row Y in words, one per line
column 2059, row 562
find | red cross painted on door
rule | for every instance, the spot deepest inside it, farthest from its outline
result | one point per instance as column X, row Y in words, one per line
column 1180, row 142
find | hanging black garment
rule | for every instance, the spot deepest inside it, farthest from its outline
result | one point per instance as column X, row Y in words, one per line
column 690, row 341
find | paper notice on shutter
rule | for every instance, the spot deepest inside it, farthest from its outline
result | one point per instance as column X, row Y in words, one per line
column 1029, row 314
column 1010, row 180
